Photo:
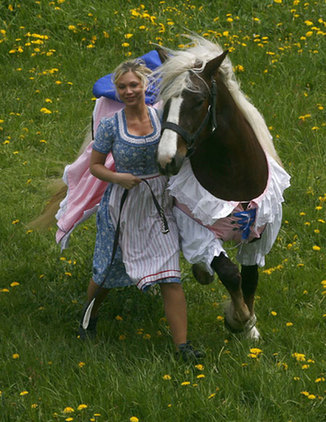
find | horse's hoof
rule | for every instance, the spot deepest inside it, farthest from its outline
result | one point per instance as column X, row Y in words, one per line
column 248, row 329
column 201, row 275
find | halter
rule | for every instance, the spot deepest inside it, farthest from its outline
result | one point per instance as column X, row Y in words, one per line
column 190, row 138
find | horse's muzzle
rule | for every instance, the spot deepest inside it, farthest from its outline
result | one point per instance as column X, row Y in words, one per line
column 173, row 167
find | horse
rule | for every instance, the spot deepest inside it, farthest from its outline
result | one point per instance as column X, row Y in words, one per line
column 225, row 174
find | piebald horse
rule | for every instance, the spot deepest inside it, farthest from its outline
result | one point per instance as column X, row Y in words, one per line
column 227, row 178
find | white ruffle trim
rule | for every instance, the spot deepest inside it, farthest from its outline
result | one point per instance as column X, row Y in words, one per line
column 208, row 209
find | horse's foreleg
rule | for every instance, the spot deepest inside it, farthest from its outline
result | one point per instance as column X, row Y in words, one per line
column 237, row 314
column 249, row 276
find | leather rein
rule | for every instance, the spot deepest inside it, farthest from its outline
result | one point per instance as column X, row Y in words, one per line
column 188, row 137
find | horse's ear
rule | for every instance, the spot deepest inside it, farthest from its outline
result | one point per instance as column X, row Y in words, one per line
column 214, row 64
column 163, row 55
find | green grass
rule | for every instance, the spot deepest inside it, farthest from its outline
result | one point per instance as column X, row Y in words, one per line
column 51, row 54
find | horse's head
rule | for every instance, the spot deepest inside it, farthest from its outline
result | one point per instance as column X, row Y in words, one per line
column 188, row 113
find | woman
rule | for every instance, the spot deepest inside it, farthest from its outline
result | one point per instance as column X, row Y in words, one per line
column 145, row 256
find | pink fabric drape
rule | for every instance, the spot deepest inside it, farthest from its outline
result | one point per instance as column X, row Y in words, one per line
column 84, row 190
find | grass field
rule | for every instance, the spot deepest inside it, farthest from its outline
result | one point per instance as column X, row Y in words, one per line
column 51, row 53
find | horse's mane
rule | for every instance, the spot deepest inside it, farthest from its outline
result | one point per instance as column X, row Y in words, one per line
column 175, row 77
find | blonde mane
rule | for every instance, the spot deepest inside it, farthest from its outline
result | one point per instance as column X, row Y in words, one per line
column 175, row 76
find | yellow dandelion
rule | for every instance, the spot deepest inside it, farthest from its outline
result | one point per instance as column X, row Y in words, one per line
column 122, row 337
column 15, row 356
column 316, row 248
column 252, row 355
column 14, row 284
column 82, row 407
column 68, row 409
column 289, row 324
column 239, row 68
column 45, row 110
column 273, row 313
column 200, row 376
column 23, row 393
column 199, row 367
column 300, row 357
column 81, row 364
column 211, row 396
column 125, row 44
column 119, row 318
column 166, row 377
column 133, row 419
column 185, row 383
column 256, row 351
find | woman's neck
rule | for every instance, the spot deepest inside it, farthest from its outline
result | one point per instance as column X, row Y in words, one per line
column 136, row 112
column 138, row 120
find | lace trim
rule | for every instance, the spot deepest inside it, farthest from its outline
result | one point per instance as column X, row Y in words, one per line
column 134, row 139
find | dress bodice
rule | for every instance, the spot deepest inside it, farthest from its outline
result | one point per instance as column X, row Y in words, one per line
column 132, row 154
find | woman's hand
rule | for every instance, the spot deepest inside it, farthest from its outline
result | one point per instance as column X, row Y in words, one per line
column 127, row 180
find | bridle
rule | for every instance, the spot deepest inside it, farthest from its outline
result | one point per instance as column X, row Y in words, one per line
column 190, row 138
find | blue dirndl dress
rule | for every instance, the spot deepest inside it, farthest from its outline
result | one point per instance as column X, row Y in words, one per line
column 145, row 255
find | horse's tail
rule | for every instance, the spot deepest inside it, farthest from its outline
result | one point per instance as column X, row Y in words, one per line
column 47, row 218
column 59, row 191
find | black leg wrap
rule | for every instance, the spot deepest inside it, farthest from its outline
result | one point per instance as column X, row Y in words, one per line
column 249, row 276
column 227, row 271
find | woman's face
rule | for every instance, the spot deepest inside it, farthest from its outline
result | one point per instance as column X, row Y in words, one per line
column 130, row 89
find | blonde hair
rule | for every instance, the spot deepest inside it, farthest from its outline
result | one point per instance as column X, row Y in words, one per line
column 138, row 67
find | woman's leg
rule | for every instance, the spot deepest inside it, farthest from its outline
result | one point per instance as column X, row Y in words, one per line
column 101, row 295
column 90, row 331
column 175, row 310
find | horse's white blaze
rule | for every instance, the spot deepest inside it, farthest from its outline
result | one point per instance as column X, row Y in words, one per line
column 167, row 148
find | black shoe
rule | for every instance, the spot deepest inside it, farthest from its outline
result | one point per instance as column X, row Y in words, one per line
column 188, row 353
column 90, row 332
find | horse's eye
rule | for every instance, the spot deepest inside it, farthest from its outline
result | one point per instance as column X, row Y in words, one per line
column 199, row 103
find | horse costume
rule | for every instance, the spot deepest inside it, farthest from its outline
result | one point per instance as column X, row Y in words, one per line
column 227, row 178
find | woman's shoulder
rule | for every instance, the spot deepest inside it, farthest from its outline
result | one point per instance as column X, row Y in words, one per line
column 155, row 114
column 107, row 121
